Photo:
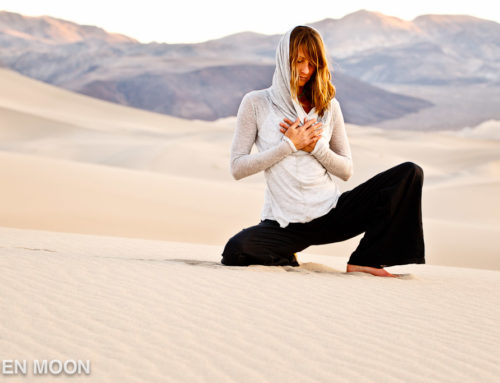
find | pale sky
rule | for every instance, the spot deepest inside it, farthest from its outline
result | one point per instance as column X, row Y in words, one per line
column 195, row 21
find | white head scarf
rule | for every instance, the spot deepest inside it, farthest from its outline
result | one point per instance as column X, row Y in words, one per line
column 281, row 95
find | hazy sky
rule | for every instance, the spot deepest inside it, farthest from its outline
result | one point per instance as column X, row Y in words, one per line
column 194, row 21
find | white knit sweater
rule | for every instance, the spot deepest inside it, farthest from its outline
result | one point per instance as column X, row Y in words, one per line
column 300, row 186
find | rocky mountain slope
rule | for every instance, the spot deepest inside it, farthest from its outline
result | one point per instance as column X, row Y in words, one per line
column 207, row 80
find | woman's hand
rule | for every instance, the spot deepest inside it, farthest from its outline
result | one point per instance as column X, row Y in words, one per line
column 304, row 137
column 309, row 148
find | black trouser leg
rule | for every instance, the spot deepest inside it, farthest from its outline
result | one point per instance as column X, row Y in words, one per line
column 265, row 244
column 388, row 209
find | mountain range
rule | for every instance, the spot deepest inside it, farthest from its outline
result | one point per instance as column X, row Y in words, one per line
column 369, row 52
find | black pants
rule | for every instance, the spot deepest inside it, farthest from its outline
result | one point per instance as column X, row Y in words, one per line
column 387, row 208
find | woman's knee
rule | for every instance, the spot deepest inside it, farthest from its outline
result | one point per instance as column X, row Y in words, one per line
column 235, row 244
column 233, row 254
column 414, row 170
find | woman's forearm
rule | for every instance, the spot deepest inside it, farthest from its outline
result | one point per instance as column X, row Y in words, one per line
column 336, row 164
column 335, row 156
column 244, row 164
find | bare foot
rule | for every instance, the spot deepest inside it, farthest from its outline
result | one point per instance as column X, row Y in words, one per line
column 370, row 270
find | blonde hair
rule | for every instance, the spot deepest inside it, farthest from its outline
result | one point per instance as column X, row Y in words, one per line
column 319, row 89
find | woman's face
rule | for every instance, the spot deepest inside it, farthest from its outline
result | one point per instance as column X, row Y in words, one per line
column 305, row 68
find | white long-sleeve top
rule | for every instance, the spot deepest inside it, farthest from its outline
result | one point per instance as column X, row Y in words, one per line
column 299, row 185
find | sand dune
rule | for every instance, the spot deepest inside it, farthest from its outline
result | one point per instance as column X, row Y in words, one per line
column 31, row 97
column 170, row 312
column 75, row 197
column 487, row 130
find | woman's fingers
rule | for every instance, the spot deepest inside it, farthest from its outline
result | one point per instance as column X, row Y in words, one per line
column 316, row 136
column 314, row 140
column 316, row 132
column 289, row 123
column 309, row 123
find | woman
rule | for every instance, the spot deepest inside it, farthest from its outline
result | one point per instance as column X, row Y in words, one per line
column 298, row 127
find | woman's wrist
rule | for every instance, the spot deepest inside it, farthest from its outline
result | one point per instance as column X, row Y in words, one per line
column 318, row 147
column 290, row 142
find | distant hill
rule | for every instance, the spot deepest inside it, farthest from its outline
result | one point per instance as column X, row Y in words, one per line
column 216, row 92
column 49, row 30
column 207, row 80
column 431, row 49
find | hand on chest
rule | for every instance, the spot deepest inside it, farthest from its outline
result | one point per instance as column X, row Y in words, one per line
column 269, row 134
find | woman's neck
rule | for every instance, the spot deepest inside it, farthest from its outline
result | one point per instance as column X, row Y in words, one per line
column 301, row 96
column 306, row 104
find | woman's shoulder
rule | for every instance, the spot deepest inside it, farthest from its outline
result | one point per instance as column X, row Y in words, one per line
column 334, row 103
column 254, row 102
column 335, row 107
column 256, row 96
column 335, row 110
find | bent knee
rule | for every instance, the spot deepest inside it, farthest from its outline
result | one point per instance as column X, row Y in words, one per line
column 414, row 170
column 233, row 252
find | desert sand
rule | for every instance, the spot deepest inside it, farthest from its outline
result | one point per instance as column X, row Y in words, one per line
column 157, row 311
column 113, row 221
